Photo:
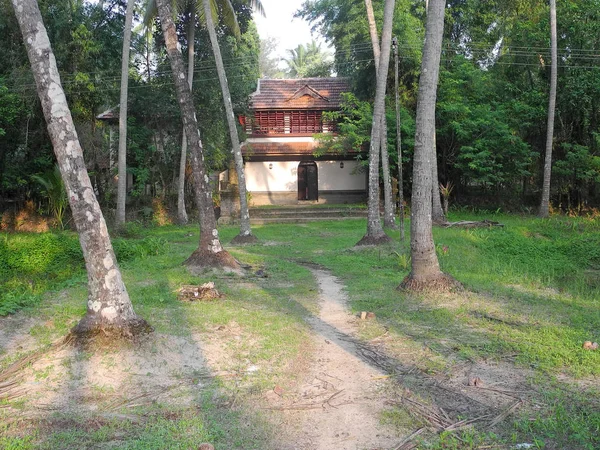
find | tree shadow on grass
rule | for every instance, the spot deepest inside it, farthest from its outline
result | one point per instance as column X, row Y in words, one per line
column 154, row 393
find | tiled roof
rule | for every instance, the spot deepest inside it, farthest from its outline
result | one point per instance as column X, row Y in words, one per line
column 109, row 115
column 278, row 148
column 300, row 93
column 291, row 148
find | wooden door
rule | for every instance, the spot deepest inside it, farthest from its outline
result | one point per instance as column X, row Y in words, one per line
column 308, row 181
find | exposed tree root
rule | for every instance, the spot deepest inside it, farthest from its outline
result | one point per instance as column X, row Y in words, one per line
column 244, row 239
column 91, row 331
column 204, row 259
column 439, row 283
column 374, row 240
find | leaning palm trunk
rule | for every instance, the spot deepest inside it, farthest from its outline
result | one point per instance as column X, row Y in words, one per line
column 425, row 270
column 109, row 309
column 245, row 235
column 210, row 253
column 375, row 233
column 545, row 202
column 388, row 203
column 122, row 164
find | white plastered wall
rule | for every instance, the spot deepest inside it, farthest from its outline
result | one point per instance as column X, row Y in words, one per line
column 334, row 178
column 283, row 176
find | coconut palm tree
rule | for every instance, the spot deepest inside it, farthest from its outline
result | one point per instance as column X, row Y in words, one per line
column 109, row 309
column 308, row 61
column 425, row 269
column 545, row 202
column 375, row 233
column 122, row 154
column 388, row 203
column 209, row 253
column 208, row 12
column 245, row 235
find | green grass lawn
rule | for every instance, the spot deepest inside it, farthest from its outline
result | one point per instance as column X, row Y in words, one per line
column 530, row 300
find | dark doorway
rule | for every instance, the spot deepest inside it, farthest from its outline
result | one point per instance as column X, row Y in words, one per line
column 308, row 184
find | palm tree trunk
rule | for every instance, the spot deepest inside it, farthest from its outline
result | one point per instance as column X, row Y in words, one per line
column 245, row 235
column 437, row 213
column 398, row 141
column 210, row 253
column 375, row 233
column 122, row 164
column 425, row 270
column 182, row 217
column 373, row 32
column 388, row 203
column 108, row 307
column 545, row 202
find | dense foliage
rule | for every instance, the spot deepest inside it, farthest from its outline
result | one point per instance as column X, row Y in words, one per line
column 493, row 93
column 87, row 40
column 491, row 114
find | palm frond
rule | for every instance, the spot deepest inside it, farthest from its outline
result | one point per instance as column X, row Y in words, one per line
column 258, row 7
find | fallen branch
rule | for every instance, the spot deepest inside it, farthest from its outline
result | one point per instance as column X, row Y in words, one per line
column 407, row 439
column 472, row 224
column 15, row 367
column 500, row 417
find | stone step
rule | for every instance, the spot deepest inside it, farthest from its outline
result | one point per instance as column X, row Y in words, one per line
column 298, row 214
column 292, row 220
column 308, row 212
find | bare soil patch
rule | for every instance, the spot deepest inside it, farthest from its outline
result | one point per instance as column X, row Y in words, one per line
column 339, row 403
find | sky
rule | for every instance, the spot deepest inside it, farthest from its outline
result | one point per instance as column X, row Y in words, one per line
column 281, row 24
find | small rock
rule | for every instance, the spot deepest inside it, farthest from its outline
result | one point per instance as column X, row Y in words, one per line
column 206, row 446
column 370, row 315
column 475, row 381
column 589, row 345
column 278, row 390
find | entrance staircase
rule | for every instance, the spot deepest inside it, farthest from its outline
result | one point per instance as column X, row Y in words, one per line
column 300, row 213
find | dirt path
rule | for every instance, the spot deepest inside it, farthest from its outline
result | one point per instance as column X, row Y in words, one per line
column 340, row 404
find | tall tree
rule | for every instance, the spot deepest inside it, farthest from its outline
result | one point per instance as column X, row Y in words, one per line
column 437, row 213
column 308, row 61
column 245, row 235
column 109, row 308
column 150, row 14
column 545, row 202
column 425, row 270
column 209, row 253
column 122, row 164
column 388, row 202
column 398, row 139
column 182, row 217
column 375, row 233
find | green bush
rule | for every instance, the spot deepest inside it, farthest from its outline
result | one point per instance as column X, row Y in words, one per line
column 31, row 264
column 129, row 250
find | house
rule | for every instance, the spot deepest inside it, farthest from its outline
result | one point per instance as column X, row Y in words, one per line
column 280, row 165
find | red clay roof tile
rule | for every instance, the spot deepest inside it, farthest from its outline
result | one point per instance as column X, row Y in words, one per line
column 300, row 93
